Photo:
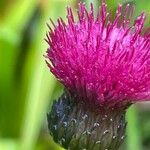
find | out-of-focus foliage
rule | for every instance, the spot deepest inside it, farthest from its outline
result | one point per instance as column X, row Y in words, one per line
column 26, row 86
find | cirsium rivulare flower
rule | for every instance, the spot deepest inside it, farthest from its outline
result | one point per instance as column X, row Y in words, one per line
column 103, row 63
column 99, row 59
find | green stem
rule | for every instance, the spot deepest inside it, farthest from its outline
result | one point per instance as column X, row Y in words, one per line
column 42, row 82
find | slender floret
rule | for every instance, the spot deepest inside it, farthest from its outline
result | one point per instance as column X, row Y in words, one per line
column 101, row 60
column 104, row 64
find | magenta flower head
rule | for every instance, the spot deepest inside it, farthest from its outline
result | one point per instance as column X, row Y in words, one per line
column 104, row 64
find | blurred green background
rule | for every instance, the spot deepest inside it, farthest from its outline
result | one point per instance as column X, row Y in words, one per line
column 26, row 86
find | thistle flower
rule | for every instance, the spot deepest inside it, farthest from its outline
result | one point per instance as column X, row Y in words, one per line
column 104, row 64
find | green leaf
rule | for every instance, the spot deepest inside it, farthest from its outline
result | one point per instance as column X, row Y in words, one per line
column 133, row 130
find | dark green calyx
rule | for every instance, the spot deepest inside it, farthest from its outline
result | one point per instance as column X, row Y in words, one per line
column 75, row 127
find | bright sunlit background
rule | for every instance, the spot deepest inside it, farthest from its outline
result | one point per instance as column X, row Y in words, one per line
column 27, row 88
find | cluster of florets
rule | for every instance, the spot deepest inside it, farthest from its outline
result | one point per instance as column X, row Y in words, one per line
column 101, row 60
